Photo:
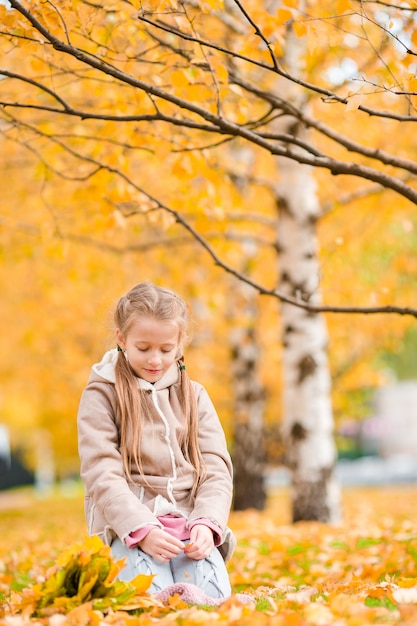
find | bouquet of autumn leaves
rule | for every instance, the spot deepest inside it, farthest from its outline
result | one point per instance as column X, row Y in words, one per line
column 83, row 576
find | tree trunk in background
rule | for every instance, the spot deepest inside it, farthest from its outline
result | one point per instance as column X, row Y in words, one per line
column 248, row 448
column 307, row 412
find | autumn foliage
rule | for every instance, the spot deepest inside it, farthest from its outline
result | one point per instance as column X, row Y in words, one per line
column 132, row 115
column 309, row 574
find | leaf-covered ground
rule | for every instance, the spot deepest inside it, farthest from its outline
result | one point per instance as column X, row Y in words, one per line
column 361, row 572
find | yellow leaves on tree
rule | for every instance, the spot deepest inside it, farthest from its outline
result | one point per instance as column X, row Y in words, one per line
column 72, row 191
column 171, row 5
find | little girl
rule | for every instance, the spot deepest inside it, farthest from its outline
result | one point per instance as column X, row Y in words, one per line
column 154, row 461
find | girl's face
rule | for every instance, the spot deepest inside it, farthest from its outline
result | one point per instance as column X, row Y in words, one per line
column 151, row 347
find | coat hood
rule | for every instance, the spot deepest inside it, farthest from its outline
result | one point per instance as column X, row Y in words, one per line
column 104, row 370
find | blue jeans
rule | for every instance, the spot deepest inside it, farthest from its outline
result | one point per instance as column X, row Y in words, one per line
column 209, row 574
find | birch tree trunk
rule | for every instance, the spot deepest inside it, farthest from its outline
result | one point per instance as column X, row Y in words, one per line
column 307, row 412
column 307, row 427
column 249, row 401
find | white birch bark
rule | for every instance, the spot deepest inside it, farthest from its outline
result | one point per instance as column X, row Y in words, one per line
column 307, row 411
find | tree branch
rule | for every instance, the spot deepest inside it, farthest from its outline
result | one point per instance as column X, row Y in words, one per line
column 298, row 302
column 180, row 219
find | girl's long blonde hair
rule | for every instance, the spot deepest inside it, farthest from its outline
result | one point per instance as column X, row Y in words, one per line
column 148, row 300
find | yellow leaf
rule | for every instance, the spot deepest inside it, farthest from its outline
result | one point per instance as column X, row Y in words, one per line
column 179, row 78
column 299, row 28
column 142, row 582
column 200, row 93
column 152, row 5
column 52, row 20
column 283, row 16
column 70, row 19
column 37, row 64
column 412, row 85
column 86, row 17
column 220, row 70
column 343, row 6
column 215, row 5
column 277, row 48
column 407, row 582
column 4, row 15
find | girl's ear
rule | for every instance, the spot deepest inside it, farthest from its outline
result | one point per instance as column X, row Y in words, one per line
column 119, row 339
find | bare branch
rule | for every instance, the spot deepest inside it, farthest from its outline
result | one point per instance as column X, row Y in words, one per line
column 61, row 20
column 298, row 302
column 220, row 124
column 309, row 122
column 328, row 96
column 35, row 83
column 235, row 55
column 258, row 32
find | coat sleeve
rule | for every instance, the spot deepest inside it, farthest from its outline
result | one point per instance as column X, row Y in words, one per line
column 214, row 497
column 101, row 467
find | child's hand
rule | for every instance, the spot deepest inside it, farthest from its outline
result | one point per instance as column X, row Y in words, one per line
column 201, row 542
column 160, row 545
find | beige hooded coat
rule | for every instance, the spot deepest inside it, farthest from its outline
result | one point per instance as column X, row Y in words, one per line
column 116, row 506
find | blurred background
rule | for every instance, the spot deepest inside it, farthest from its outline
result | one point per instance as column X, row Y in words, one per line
column 76, row 232
column 57, row 299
